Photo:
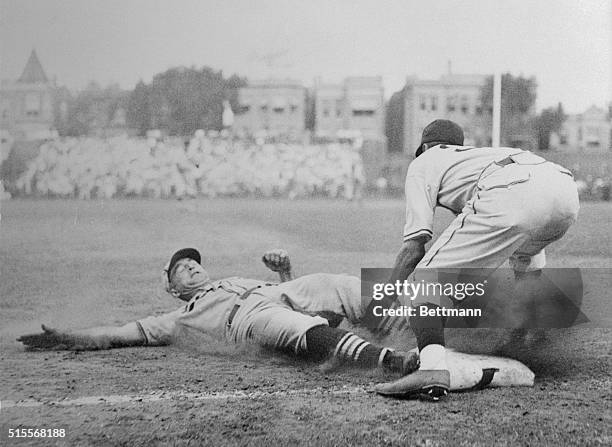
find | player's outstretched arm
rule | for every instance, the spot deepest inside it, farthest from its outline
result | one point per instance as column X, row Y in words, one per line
column 102, row 337
column 278, row 260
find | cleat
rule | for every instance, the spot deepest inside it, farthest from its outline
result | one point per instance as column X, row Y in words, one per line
column 433, row 394
column 429, row 385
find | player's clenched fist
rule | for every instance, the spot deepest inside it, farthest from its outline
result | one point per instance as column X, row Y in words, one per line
column 277, row 260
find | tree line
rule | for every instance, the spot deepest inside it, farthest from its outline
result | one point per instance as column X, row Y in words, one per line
column 179, row 101
column 182, row 100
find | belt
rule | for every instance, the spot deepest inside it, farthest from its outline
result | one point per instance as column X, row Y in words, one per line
column 243, row 297
column 501, row 163
column 505, row 162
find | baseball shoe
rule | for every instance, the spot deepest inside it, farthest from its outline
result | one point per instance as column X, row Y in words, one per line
column 422, row 384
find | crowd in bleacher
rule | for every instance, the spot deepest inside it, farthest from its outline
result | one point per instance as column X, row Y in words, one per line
column 594, row 188
column 206, row 166
column 212, row 165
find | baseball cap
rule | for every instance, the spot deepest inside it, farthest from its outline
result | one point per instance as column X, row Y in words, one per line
column 190, row 253
column 441, row 131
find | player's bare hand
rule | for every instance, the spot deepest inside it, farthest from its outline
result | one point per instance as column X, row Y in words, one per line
column 277, row 260
column 49, row 339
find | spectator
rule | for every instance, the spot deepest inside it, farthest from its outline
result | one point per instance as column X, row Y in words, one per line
column 210, row 165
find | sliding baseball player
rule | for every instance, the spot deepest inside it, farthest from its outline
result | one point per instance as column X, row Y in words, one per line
column 242, row 310
column 297, row 315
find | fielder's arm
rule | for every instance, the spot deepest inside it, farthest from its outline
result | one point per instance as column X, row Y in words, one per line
column 278, row 260
column 409, row 256
column 102, row 337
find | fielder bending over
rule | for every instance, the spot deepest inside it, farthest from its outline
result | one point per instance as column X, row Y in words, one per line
column 509, row 204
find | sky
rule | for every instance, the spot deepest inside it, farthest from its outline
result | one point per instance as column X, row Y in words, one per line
column 565, row 44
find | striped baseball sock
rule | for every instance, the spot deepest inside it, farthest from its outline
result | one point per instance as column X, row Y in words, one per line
column 323, row 341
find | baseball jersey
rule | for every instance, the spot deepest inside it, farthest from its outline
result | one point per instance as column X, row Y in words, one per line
column 208, row 311
column 445, row 176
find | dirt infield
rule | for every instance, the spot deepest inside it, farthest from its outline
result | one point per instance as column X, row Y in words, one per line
column 73, row 264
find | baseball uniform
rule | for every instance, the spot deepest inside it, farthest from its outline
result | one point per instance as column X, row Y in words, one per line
column 332, row 296
column 266, row 316
column 509, row 204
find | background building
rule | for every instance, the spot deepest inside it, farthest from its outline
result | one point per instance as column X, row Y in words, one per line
column 26, row 105
column 330, row 113
column 356, row 105
column 455, row 97
column 366, row 106
column 274, row 106
column 585, row 132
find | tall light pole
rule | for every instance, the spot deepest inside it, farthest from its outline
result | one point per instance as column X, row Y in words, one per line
column 496, row 134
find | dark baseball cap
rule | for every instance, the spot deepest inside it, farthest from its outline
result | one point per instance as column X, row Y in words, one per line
column 189, row 253
column 441, row 131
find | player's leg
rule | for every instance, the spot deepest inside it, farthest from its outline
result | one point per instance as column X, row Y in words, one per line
column 346, row 347
column 473, row 246
column 556, row 208
column 334, row 297
column 553, row 209
column 527, row 263
column 273, row 325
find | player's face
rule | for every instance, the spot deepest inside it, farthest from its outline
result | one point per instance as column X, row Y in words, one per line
column 187, row 274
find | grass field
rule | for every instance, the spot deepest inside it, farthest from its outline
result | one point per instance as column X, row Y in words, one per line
column 72, row 264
